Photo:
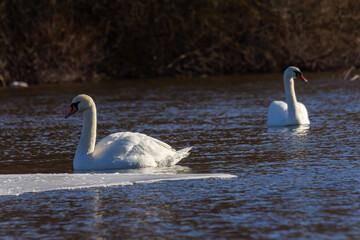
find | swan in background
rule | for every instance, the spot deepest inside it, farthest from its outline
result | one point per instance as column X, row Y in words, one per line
column 18, row 84
column 122, row 150
column 14, row 84
column 290, row 112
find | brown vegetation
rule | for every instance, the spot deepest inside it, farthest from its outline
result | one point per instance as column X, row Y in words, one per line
column 57, row 41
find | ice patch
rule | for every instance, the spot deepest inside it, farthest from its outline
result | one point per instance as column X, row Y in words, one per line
column 15, row 184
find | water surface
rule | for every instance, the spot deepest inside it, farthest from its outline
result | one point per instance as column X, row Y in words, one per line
column 293, row 183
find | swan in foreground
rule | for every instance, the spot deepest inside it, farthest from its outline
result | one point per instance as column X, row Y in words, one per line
column 290, row 112
column 120, row 150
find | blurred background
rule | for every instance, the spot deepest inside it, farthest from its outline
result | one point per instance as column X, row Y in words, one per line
column 82, row 41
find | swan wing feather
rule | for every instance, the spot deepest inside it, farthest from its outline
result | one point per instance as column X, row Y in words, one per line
column 134, row 150
column 303, row 113
column 277, row 113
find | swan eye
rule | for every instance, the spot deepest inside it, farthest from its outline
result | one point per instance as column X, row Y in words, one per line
column 297, row 74
column 74, row 108
column 76, row 105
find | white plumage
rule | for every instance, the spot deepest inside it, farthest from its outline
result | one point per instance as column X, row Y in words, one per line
column 120, row 150
column 291, row 112
column 135, row 150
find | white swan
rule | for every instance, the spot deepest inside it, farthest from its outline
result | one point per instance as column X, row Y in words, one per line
column 290, row 112
column 119, row 150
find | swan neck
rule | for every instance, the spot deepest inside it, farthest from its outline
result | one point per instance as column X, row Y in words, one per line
column 293, row 112
column 290, row 92
column 88, row 134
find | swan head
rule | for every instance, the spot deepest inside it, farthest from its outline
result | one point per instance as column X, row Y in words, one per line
column 80, row 103
column 294, row 72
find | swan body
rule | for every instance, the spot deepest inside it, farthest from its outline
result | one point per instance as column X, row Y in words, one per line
column 18, row 84
column 120, row 150
column 291, row 112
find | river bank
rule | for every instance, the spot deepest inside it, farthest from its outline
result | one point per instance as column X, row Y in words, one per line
column 81, row 41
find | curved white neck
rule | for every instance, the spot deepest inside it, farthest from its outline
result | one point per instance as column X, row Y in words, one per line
column 86, row 145
column 291, row 100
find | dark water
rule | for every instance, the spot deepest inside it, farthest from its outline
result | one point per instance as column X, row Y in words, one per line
column 293, row 183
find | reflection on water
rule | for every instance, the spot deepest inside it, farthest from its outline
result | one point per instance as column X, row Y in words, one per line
column 294, row 182
column 97, row 213
column 293, row 139
column 296, row 131
column 300, row 131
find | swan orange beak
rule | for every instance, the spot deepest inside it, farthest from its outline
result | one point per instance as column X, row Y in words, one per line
column 300, row 76
column 73, row 110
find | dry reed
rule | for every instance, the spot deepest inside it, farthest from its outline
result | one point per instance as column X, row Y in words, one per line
column 60, row 41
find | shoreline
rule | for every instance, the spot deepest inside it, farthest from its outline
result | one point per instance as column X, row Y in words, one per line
column 58, row 42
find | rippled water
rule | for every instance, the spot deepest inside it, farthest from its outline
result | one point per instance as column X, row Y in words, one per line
column 293, row 183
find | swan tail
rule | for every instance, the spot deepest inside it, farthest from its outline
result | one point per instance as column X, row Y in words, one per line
column 178, row 155
column 182, row 153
